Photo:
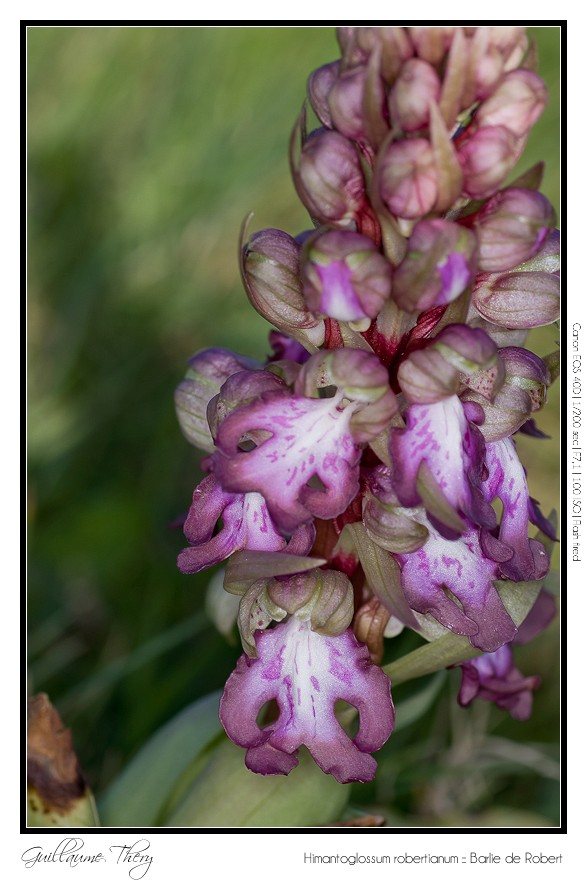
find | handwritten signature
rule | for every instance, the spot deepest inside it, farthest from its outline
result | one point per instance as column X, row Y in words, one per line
column 69, row 851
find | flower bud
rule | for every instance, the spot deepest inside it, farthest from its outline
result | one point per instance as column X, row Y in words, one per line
column 410, row 97
column 239, row 389
column 516, row 104
column 369, row 626
column 396, row 48
column 510, row 41
column 207, row 372
column 527, row 371
column 434, row 372
column 270, row 269
column 518, row 300
column 408, row 178
column 511, row 227
column 431, row 43
column 523, row 392
column 492, row 51
column 484, row 68
column 357, row 44
column 486, row 158
column 426, row 377
column 256, row 612
column 439, row 265
column 329, row 179
column 359, row 376
column 345, row 102
column 352, row 52
column 526, row 297
column 388, row 524
column 344, row 276
column 320, row 82
column 325, row 598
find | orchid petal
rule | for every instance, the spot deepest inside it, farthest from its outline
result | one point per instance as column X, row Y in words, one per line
column 306, row 673
column 247, row 525
column 440, row 438
column 472, row 605
column 494, row 677
column 310, row 438
column 507, row 480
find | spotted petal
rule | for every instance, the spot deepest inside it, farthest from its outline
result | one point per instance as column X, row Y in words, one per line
column 437, row 460
column 494, row 677
column 472, row 606
column 310, row 442
column 246, row 525
column 306, row 673
column 521, row 558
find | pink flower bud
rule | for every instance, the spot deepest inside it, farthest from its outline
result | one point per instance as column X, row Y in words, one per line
column 522, row 393
column 410, row 97
column 357, row 44
column 207, row 372
column 435, row 372
column 485, row 72
column 486, row 158
column 527, row 371
column 345, row 102
column 344, row 276
column 320, row 82
column 431, row 43
column 329, row 179
column 518, row 300
column 408, row 178
column 324, row 598
column 492, row 52
column 516, row 104
column 511, row 227
column 396, row 48
column 439, row 265
column 270, row 269
column 505, row 38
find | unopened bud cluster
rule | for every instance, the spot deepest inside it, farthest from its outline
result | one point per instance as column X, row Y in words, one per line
column 365, row 478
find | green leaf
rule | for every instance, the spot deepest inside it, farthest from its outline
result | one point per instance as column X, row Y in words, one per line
column 227, row 794
column 138, row 796
column 411, row 709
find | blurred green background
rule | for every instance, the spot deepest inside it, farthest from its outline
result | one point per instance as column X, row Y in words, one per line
column 147, row 146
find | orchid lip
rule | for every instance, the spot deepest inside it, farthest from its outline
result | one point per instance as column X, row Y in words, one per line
column 306, row 673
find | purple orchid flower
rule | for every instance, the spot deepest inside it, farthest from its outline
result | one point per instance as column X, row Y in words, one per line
column 306, row 673
column 247, row 525
column 441, row 451
column 520, row 558
column 309, row 465
column 494, row 677
column 454, row 582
